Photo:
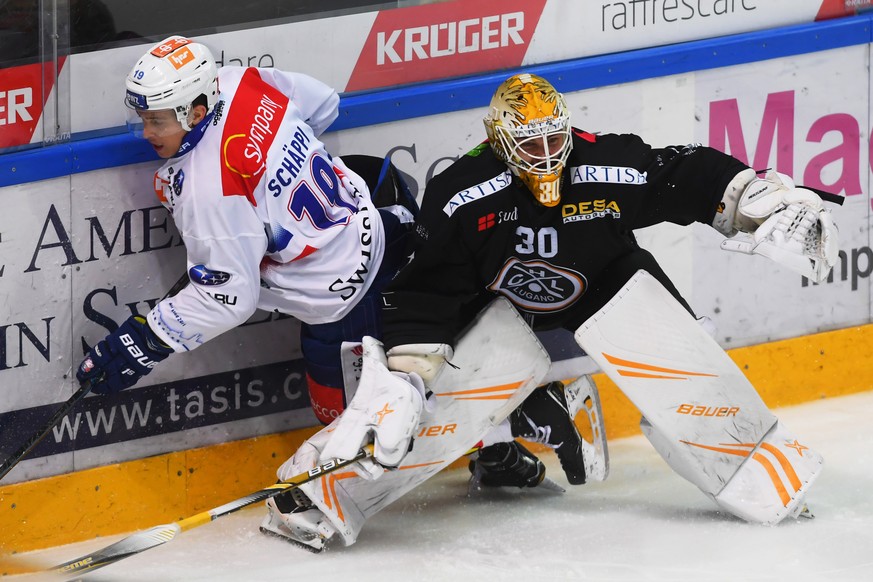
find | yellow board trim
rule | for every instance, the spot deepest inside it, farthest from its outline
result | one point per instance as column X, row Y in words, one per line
column 139, row 494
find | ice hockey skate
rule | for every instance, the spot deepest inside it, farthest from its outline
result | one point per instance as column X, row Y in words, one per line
column 293, row 518
column 508, row 464
column 545, row 418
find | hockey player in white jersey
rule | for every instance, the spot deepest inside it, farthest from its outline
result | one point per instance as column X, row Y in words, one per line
column 269, row 218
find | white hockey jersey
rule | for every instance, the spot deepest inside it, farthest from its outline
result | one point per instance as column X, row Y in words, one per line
column 268, row 218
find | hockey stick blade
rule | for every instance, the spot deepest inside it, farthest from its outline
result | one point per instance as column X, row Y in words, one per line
column 582, row 395
column 161, row 534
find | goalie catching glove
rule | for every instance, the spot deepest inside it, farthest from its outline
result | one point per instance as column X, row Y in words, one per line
column 386, row 406
column 788, row 225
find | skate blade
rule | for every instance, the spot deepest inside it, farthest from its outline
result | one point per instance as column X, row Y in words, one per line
column 582, row 396
column 475, row 487
column 806, row 513
column 293, row 542
column 550, row 485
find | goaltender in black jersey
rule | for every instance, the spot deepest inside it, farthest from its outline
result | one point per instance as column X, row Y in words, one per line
column 543, row 215
column 481, row 232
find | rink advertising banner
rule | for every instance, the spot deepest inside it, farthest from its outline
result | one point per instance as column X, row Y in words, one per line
column 80, row 255
column 24, row 91
column 444, row 40
column 162, row 409
column 433, row 41
column 796, row 123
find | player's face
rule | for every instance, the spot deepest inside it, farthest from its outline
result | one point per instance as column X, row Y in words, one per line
column 534, row 150
column 163, row 131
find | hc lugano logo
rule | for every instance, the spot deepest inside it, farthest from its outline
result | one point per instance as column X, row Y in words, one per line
column 538, row 285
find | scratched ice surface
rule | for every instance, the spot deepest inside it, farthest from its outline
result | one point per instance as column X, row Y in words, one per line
column 643, row 524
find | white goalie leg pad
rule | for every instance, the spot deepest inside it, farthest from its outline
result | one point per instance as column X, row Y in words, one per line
column 772, row 482
column 497, row 362
column 318, row 525
column 693, row 397
column 352, row 360
column 582, row 396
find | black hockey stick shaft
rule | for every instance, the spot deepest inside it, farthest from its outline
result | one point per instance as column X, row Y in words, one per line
column 65, row 408
column 34, row 440
column 161, row 534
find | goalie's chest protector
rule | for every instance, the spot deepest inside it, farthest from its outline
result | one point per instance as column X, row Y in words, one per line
column 544, row 259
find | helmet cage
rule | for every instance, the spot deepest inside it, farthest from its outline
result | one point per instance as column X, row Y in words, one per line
column 532, row 147
column 528, row 126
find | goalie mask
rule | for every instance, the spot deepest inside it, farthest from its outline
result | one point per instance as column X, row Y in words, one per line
column 170, row 76
column 528, row 126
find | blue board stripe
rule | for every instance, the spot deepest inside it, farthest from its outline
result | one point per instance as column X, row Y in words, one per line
column 86, row 152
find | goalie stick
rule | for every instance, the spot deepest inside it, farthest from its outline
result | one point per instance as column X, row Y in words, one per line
column 65, row 408
column 161, row 534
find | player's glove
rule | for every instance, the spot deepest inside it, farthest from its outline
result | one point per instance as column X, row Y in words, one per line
column 123, row 357
column 788, row 225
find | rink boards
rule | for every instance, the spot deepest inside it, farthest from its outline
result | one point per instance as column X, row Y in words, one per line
column 142, row 493
column 83, row 251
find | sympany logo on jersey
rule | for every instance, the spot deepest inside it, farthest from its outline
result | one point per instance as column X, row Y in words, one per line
column 254, row 115
column 203, row 275
column 538, row 286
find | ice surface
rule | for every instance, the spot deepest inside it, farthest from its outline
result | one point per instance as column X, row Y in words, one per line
column 644, row 523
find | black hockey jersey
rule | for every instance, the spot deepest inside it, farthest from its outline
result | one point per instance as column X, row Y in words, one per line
column 481, row 233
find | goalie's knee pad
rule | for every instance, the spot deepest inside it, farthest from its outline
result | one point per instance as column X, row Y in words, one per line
column 507, row 465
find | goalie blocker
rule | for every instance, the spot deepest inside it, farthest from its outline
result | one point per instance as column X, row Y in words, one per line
column 699, row 411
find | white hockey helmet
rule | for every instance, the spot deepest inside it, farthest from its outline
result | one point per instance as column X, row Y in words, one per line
column 171, row 75
column 528, row 126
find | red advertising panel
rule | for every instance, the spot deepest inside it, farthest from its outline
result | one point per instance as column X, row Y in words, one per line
column 837, row 8
column 449, row 39
column 23, row 94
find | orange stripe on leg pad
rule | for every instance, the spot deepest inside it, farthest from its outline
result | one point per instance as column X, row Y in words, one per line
column 641, row 366
column 501, row 388
column 765, row 463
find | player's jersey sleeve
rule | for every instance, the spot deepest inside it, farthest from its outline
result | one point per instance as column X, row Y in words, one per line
column 318, row 103
column 224, row 242
column 685, row 184
column 439, row 290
